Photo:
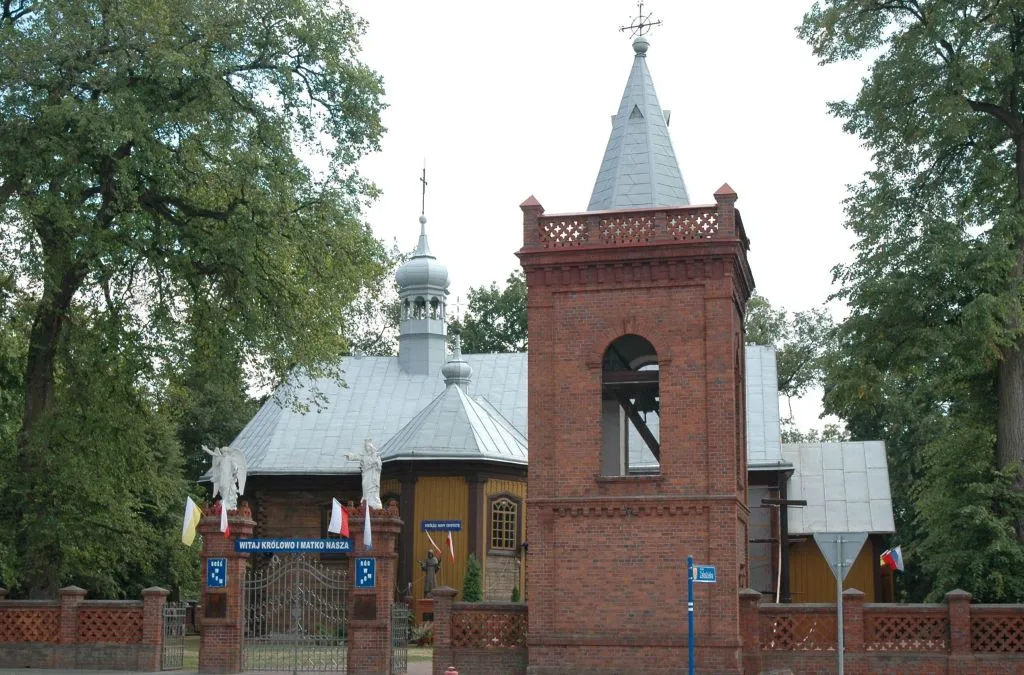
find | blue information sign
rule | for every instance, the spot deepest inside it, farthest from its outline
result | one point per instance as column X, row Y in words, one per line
column 443, row 525
column 705, row 574
column 216, row 572
column 366, row 572
column 341, row 545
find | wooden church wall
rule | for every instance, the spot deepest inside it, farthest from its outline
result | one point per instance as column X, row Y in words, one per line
column 440, row 498
column 390, row 487
column 500, row 569
column 811, row 579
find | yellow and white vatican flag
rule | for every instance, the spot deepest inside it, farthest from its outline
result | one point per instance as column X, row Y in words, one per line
column 188, row 526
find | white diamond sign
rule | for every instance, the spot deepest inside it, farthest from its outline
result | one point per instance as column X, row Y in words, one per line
column 849, row 543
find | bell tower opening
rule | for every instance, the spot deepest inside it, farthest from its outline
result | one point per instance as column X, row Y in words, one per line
column 630, row 408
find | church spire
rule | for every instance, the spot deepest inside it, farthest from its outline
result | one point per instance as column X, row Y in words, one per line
column 639, row 168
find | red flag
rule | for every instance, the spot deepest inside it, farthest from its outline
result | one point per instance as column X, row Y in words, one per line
column 451, row 546
column 339, row 519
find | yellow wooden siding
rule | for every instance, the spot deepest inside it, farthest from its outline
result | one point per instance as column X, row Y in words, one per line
column 811, row 579
column 391, row 486
column 440, row 498
column 516, row 488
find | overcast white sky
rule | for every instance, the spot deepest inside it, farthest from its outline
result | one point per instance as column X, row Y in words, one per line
column 509, row 99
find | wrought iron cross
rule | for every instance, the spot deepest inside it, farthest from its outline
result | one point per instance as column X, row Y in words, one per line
column 423, row 199
column 641, row 24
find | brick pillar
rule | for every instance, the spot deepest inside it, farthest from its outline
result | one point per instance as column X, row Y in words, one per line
column 532, row 211
column 154, row 599
column 750, row 629
column 958, row 603
column 70, row 598
column 853, row 632
column 369, row 615
column 726, row 198
column 444, row 655
column 220, row 631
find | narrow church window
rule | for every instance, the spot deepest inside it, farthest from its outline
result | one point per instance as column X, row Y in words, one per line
column 406, row 310
column 504, row 524
column 435, row 308
column 420, row 309
column 630, row 408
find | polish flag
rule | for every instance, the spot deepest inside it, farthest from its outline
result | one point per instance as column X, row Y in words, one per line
column 367, row 536
column 339, row 519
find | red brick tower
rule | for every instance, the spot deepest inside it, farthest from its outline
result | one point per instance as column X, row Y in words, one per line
column 637, row 421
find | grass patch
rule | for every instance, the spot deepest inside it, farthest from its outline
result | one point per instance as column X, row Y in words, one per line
column 191, row 656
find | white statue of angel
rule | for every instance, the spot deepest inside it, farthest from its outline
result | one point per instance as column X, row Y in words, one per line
column 227, row 470
column 370, row 466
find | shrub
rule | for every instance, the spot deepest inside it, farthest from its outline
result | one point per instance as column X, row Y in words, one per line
column 472, row 585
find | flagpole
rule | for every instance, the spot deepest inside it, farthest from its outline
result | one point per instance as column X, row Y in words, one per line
column 840, row 563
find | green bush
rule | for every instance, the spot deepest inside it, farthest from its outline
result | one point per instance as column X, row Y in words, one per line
column 515, row 594
column 472, row 584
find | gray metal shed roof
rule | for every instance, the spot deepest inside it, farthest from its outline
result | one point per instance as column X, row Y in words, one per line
column 846, row 486
column 764, row 442
column 639, row 168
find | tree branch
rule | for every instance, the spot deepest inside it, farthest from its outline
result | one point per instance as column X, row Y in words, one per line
column 1005, row 116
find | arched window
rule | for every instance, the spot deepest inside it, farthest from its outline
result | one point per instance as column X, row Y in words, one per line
column 420, row 309
column 406, row 309
column 504, row 524
column 630, row 408
column 435, row 308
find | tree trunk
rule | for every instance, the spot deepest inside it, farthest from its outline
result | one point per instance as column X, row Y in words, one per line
column 41, row 580
column 1010, row 376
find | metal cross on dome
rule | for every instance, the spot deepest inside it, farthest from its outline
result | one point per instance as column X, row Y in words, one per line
column 641, row 24
column 423, row 179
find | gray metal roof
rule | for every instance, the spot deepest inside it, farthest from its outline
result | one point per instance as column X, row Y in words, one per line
column 639, row 168
column 377, row 401
column 846, row 486
column 764, row 442
column 454, row 426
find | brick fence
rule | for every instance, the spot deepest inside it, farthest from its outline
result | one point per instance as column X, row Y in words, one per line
column 73, row 632
column 952, row 637
column 478, row 637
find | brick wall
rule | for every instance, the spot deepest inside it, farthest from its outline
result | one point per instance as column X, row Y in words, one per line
column 76, row 633
column 954, row 637
column 479, row 637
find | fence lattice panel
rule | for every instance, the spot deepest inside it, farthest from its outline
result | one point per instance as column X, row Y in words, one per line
column 906, row 632
column 488, row 629
column 997, row 634
column 30, row 624
column 798, row 632
column 110, row 625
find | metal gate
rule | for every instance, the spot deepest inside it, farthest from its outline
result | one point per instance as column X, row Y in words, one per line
column 172, row 654
column 295, row 616
column 399, row 638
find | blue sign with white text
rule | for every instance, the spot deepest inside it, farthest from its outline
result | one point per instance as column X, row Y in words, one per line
column 216, row 572
column 366, row 572
column 341, row 545
column 705, row 574
column 441, row 525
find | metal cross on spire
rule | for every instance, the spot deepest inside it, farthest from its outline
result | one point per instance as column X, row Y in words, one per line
column 641, row 24
column 423, row 199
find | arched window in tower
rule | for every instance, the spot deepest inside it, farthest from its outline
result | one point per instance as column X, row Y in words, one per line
column 406, row 309
column 435, row 308
column 630, row 408
column 420, row 309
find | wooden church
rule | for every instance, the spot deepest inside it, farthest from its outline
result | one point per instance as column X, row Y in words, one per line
column 637, row 301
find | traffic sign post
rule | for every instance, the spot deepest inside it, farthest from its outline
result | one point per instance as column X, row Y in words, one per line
column 840, row 550
column 689, row 607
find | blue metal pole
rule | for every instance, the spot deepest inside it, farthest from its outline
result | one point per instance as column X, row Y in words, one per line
column 689, row 607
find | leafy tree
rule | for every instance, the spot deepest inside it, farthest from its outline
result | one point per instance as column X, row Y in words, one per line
column 930, row 358
column 472, row 583
column 150, row 173
column 372, row 318
column 801, row 340
column 495, row 320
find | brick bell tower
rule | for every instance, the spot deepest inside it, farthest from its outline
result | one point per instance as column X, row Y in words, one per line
column 637, row 419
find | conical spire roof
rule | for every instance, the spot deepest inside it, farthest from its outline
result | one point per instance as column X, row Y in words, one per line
column 639, row 168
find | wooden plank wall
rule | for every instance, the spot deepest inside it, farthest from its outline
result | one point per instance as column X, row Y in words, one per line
column 516, row 488
column 440, row 498
column 811, row 579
